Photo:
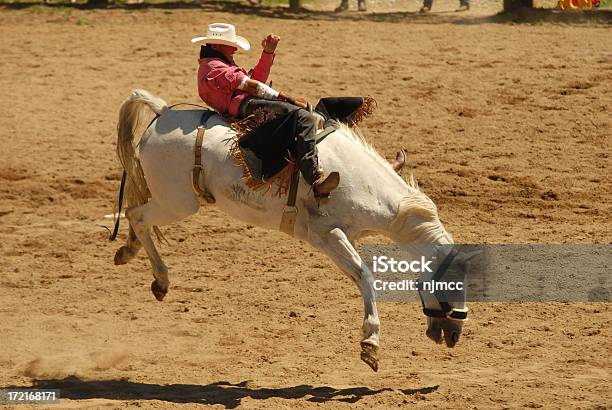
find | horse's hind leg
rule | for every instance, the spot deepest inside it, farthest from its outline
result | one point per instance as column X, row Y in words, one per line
column 337, row 246
column 127, row 252
column 142, row 218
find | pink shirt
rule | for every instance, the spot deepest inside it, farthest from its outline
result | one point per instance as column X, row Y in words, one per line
column 218, row 82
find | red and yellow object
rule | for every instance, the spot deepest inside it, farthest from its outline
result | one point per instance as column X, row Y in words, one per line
column 575, row 4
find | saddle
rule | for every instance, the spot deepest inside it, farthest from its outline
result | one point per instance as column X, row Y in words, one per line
column 266, row 149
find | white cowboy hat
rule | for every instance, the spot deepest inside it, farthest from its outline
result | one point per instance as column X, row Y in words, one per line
column 221, row 33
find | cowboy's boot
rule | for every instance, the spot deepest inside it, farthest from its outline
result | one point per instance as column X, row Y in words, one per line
column 308, row 158
column 323, row 186
column 361, row 5
column 342, row 7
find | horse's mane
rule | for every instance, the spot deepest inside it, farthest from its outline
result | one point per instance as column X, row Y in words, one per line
column 416, row 204
column 355, row 134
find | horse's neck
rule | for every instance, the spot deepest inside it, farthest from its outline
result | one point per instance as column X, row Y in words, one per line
column 370, row 188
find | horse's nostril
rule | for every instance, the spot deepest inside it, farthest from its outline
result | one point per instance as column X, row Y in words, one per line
column 455, row 337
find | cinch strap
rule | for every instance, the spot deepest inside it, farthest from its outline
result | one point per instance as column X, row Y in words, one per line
column 289, row 217
column 197, row 168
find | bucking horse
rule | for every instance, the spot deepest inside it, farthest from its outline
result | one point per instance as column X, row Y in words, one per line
column 371, row 198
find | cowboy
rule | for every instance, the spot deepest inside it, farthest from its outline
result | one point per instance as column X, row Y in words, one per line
column 230, row 89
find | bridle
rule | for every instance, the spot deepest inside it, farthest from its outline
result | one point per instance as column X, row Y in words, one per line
column 446, row 311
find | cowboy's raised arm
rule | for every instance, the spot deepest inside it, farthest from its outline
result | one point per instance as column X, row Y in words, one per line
column 261, row 71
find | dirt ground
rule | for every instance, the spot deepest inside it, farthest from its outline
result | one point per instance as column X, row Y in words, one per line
column 508, row 129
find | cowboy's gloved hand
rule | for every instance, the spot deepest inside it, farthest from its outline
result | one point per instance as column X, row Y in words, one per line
column 300, row 102
column 269, row 43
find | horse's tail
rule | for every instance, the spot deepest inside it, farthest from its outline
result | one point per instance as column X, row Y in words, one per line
column 131, row 115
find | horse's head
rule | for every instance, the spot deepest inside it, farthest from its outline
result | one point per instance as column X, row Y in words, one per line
column 445, row 305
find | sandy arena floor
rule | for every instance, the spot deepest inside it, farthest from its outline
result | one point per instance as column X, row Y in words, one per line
column 508, row 129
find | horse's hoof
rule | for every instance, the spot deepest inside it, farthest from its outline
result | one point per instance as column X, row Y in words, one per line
column 120, row 257
column 158, row 291
column 369, row 354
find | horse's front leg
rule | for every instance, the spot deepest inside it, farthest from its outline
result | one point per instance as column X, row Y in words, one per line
column 337, row 246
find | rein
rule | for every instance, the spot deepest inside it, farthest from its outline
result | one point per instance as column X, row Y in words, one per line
column 183, row 103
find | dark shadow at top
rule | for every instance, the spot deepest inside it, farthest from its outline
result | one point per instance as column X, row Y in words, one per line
column 225, row 393
column 521, row 16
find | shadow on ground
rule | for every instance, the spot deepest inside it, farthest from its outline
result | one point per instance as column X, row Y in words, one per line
column 225, row 393
column 527, row 16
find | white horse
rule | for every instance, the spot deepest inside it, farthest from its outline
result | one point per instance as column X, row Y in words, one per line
column 371, row 198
